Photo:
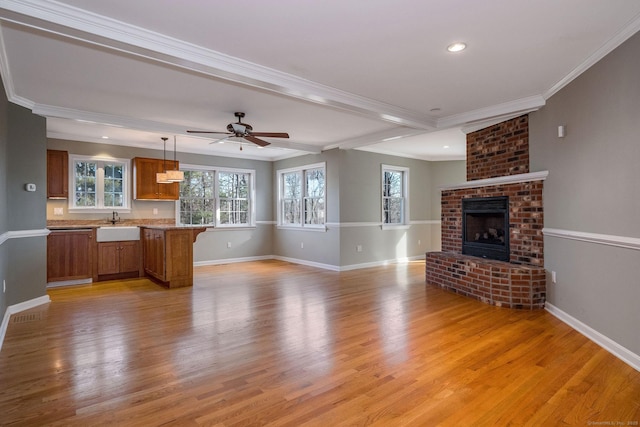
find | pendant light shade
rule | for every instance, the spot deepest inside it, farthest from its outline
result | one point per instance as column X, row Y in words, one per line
column 161, row 177
column 175, row 175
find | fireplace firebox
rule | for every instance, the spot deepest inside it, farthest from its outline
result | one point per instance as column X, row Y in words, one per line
column 485, row 227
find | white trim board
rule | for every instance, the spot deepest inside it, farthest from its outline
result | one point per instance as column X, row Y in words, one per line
column 601, row 239
column 501, row 180
column 17, row 308
column 19, row 234
column 603, row 341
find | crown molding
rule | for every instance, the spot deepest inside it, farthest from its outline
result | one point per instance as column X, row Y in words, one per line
column 373, row 138
column 620, row 37
column 472, row 127
column 516, row 107
column 68, row 21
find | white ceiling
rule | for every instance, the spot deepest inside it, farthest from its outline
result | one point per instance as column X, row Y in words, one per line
column 372, row 75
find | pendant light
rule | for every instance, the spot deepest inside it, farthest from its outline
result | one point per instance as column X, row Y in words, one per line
column 175, row 175
column 161, row 177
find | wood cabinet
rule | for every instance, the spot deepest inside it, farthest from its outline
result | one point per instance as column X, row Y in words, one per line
column 154, row 252
column 145, row 186
column 57, row 174
column 119, row 259
column 69, row 255
column 168, row 255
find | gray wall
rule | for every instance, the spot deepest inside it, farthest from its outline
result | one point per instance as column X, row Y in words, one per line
column 594, row 187
column 443, row 173
column 354, row 211
column 23, row 149
column 321, row 247
column 4, row 125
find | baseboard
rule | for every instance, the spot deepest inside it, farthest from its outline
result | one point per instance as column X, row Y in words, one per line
column 17, row 308
column 603, row 341
column 310, row 263
column 307, row 263
column 381, row 263
column 232, row 260
column 69, row 283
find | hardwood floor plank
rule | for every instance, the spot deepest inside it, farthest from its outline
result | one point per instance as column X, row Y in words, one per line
column 272, row 343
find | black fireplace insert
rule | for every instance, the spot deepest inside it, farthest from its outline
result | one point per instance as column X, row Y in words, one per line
column 485, row 227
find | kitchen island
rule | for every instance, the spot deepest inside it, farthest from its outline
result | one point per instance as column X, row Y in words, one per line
column 168, row 253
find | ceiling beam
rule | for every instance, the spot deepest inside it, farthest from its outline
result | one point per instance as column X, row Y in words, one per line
column 78, row 24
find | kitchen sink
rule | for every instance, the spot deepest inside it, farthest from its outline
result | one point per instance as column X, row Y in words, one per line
column 114, row 233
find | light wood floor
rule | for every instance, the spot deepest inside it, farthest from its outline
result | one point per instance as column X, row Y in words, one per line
column 279, row 344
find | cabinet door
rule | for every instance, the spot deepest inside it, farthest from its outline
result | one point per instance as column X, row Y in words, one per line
column 69, row 255
column 129, row 256
column 179, row 257
column 145, row 186
column 153, row 246
column 57, row 174
column 108, row 257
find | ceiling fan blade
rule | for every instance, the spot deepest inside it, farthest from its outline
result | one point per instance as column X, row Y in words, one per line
column 221, row 140
column 256, row 141
column 271, row 134
column 207, row 131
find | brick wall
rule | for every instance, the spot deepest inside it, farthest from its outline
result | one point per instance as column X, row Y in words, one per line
column 499, row 150
column 526, row 219
column 496, row 151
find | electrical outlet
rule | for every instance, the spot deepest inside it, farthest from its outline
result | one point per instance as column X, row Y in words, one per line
column 419, row 242
column 301, row 245
column 359, row 248
column 228, row 245
column 58, row 211
column 155, row 211
column 553, row 277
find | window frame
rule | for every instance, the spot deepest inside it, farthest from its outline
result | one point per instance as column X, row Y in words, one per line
column 100, row 189
column 251, row 211
column 301, row 170
column 405, row 197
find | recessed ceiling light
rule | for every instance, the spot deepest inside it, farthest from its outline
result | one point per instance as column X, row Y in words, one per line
column 445, row 147
column 105, row 137
column 456, row 47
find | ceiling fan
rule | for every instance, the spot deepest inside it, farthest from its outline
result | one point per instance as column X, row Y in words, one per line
column 243, row 130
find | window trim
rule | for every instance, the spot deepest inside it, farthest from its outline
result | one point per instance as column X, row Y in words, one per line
column 405, row 196
column 301, row 225
column 100, row 208
column 216, row 170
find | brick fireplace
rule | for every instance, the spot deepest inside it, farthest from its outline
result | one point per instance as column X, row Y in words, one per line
column 497, row 168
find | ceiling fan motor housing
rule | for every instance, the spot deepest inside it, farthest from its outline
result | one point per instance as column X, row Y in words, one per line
column 240, row 130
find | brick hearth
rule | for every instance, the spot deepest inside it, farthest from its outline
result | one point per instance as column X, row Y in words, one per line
column 493, row 282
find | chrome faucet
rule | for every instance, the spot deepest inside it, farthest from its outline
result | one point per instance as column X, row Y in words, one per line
column 114, row 218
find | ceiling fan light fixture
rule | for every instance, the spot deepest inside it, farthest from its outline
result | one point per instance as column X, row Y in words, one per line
column 456, row 47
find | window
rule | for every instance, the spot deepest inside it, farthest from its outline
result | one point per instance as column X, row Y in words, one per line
column 301, row 193
column 98, row 184
column 222, row 198
column 395, row 185
column 233, row 198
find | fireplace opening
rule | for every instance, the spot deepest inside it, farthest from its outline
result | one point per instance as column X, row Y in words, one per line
column 485, row 227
